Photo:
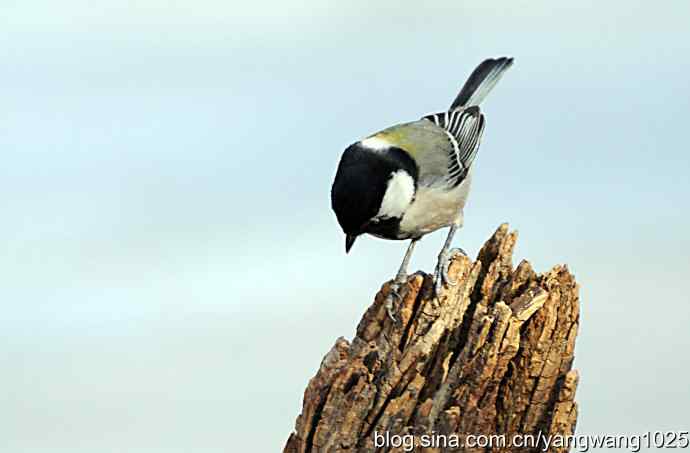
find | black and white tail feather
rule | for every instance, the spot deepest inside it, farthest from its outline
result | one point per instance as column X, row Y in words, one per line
column 464, row 122
column 481, row 82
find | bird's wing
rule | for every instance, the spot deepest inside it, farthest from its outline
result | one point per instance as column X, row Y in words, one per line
column 463, row 129
column 443, row 145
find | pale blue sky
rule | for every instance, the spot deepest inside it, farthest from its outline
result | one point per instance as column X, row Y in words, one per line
column 165, row 202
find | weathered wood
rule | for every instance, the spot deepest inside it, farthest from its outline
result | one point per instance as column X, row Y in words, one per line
column 491, row 355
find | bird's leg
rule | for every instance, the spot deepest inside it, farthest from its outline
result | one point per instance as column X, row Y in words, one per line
column 441, row 275
column 400, row 280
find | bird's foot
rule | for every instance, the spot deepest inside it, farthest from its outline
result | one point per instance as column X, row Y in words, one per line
column 441, row 275
column 395, row 295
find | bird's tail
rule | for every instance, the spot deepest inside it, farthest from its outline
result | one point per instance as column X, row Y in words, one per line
column 481, row 82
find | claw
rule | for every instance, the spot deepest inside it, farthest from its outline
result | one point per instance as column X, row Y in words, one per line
column 441, row 276
column 394, row 293
column 390, row 304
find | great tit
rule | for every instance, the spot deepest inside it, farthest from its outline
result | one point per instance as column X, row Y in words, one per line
column 413, row 178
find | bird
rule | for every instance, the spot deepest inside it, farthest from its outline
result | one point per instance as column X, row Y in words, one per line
column 413, row 178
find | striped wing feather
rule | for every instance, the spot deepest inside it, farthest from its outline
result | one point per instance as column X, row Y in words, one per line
column 464, row 129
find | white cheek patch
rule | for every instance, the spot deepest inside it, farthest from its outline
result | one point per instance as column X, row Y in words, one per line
column 398, row 196
column 375, row 143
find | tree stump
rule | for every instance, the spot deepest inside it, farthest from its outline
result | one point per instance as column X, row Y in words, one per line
column 489, row 356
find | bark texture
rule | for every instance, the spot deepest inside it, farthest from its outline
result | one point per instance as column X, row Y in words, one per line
column 491, row 355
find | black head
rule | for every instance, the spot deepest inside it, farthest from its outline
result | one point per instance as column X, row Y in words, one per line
column 360, row 186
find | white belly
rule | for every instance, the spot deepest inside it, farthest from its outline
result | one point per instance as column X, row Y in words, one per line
column 434, row 208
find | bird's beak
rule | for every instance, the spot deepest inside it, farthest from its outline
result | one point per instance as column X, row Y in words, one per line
column 349, row 240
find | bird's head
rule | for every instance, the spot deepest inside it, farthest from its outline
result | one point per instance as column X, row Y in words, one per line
column 373, row 187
